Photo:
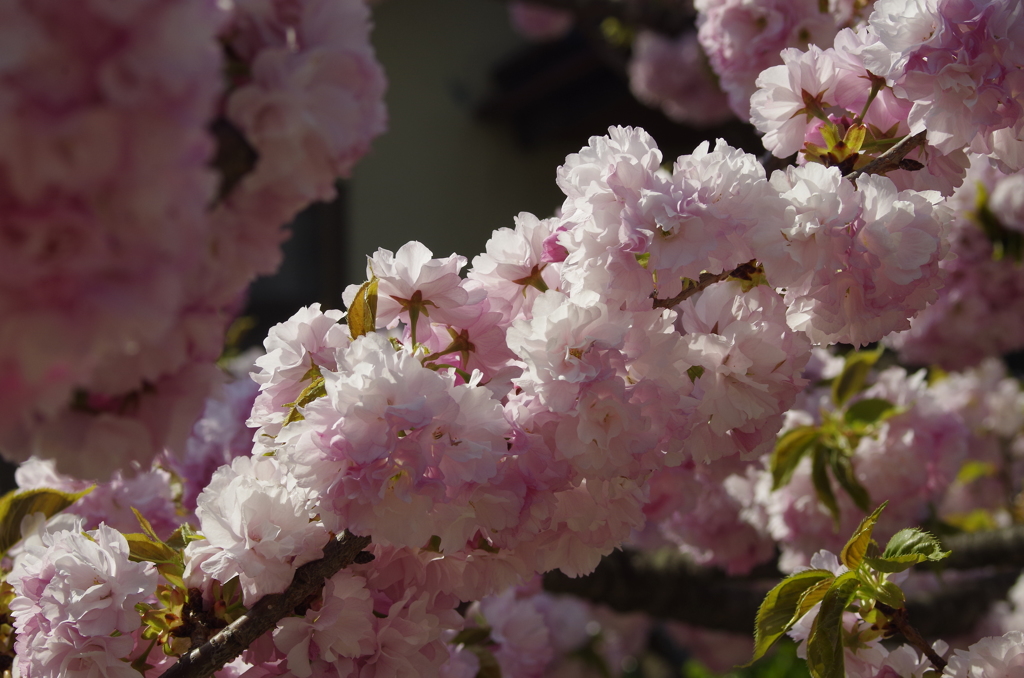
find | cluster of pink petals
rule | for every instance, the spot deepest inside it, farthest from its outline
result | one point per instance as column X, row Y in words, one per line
column 104, row 183
column 911, row 461
column 793, row 99
column 256, row 527
column 856, row 264
column 979, row 290
column 958, row 63
column 74, row 605
column 673, row 74
column 743, row 37
column 124, row 264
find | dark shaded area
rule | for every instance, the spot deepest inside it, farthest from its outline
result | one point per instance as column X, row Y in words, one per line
column 313, row 269
column 569, row 90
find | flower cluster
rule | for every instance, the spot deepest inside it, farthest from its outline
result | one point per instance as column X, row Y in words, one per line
column 123, row 260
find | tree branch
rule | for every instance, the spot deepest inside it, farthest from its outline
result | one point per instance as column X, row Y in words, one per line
column 669, row 17
column 205, row 660
column 891, row 159
column 743, row 272
column 1004, row 546
column 667, row 586
column 901, row 621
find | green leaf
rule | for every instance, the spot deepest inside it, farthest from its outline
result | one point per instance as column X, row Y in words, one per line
column 810, row 598
column 147, row 528
column 17, row 504
column 891, row 594
column 842, row 469
column 891, row 565
column 315, row 390
column 789, row 450
column 857, row 547
column 912, row 541
column 695, row 372
column 473, row 636
column 973, row 470
column 854, row 138
column 822, row 485
column 868, row 411
column 825, row 643
column 362, row 314
column 855, row 372
column 775, row 616
column 142, row 548
column 183, row 536
column 489, row 667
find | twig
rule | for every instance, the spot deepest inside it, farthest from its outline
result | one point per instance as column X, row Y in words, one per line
column 891, row 159
column 901, row 620
column 743, row 272
column 668, row 17
column 309, row 579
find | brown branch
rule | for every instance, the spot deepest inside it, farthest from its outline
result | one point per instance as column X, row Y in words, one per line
column 1004, row 546
column 900, row 619
column 891, row 159
column 669, row 17
column 309, row 579
column 742, row 272
column 667, row 586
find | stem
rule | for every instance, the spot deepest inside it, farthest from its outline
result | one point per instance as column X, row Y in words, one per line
column 743, row 271
column 207, row 659
column 876, row 86
column 890, row 160
column 900, row 618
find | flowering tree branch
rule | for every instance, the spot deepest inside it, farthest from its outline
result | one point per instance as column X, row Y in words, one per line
column 208, row 658
column 743, row 272
column 669, row 17
column 892, row 159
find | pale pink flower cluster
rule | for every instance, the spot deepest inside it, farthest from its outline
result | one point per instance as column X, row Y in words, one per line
column 673, row 74
column 833, row 86
column 515, row 409
column 257, row 527
column 124, row 265
column 310, row 102
column 534, row 633
column 995, row 656
column 958, row 64
column 743, row 37
column 105, row 185
column 74, row 608
column 980, row 291
column 951, row 69
column 855, row 264
column 538, row 22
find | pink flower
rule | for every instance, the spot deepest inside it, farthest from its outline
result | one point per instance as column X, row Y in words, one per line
column 673, row 75
column 256, row 527
column 72, row 592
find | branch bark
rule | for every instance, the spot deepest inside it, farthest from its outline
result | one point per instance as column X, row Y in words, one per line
column 743, row 272
column 891, row 159
column 669, row 17
column 669, row 587
column 205, row 660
